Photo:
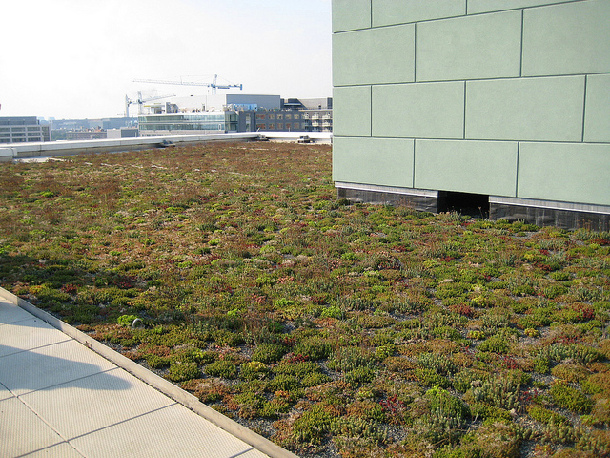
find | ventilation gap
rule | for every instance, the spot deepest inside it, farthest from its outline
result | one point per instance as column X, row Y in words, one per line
column 475, row 205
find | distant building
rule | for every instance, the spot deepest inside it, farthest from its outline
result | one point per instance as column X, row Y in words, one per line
column 237, row 113
column 188, row 123
column 220, row 102
column 86, row 135
column 19, row 129
column 294, row 121
column 323, row 103
column 62, row 129
column 123, row 132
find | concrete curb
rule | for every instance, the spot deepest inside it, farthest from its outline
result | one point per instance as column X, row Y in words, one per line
column 176, row 393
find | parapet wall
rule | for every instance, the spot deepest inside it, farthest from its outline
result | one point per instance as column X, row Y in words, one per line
column 506, row 98
column 13, row 151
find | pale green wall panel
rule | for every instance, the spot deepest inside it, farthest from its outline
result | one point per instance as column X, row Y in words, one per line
column 352, row 111
column 480, row 6
column 391, row 12
column 597, row 109
column 428, row 110
column 351, row 14
column 376, row 56
column 469, row 47
column 507, row 98
column 380, row 161
column 479, row 167
column 567, row 39
column 571, row 172
column 525, row 109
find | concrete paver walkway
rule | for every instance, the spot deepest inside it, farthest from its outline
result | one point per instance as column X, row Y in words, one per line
column 60, row 398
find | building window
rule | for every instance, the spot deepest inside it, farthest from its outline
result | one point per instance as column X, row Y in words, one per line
column 288, row 116
column 260, row 116
column 296, row 125
column 280, row 126
column 280, row 116
column 288, row 126
column 271, row 116
column 262, row 126
column 271, row 126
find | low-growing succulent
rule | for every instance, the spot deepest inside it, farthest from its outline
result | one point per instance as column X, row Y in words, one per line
column 446, row 417
column 313, row 425
column 254, row 371
column 571, row 398
column 224, row 369
column 498, row 391
column 181, row 371
column 359, row 376
column 546, row 416
column 268, row 353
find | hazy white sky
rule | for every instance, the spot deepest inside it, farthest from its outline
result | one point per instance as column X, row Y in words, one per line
column 77, row 58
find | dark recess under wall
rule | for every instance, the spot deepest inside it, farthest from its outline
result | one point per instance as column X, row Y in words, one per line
column 475, row 205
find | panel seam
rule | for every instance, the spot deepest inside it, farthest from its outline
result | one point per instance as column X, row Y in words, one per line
column 517, row 171
column 415, row 55
column 414, row 153
column 459, row 79
column 371, row 87
column 584, row 110
column 521, row 46
column 464, row 118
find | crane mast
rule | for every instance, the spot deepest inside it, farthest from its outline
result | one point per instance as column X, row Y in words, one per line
column 140, row 101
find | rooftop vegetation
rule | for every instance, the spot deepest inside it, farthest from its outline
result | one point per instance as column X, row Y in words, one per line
column 332, row 329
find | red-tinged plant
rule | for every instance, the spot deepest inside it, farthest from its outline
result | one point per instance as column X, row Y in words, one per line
column 462, row 309
column 392, row 405
column 69, row 288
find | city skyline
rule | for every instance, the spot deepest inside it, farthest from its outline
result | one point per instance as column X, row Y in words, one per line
column 75, row 59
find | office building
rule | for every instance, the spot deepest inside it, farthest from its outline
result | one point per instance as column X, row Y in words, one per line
column 18, row 129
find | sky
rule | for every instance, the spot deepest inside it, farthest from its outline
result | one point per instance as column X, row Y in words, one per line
column 78, row 58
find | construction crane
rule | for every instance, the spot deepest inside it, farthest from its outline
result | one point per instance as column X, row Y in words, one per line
column 212, row 85
column 141, row 101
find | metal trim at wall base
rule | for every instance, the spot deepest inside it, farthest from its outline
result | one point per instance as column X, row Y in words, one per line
column 549, row 216
column 417, row 199
column 564, row 215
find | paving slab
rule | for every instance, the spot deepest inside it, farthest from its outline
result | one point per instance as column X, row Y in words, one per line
column 176, row 435
column 121, row 396
column 5, row 393
column 63, row 450
column 51, row 365
column 28, row 334
column 22, row 431
column 10, row 313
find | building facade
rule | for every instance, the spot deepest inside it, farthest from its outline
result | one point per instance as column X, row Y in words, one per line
column 501, row 104
column 289, row 120
column 86, row 135
column 19, row 129
column 238, row 113
column 188, row 123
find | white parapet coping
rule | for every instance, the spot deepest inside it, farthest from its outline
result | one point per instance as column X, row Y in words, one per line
column 67, row 147
column 317, row 137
